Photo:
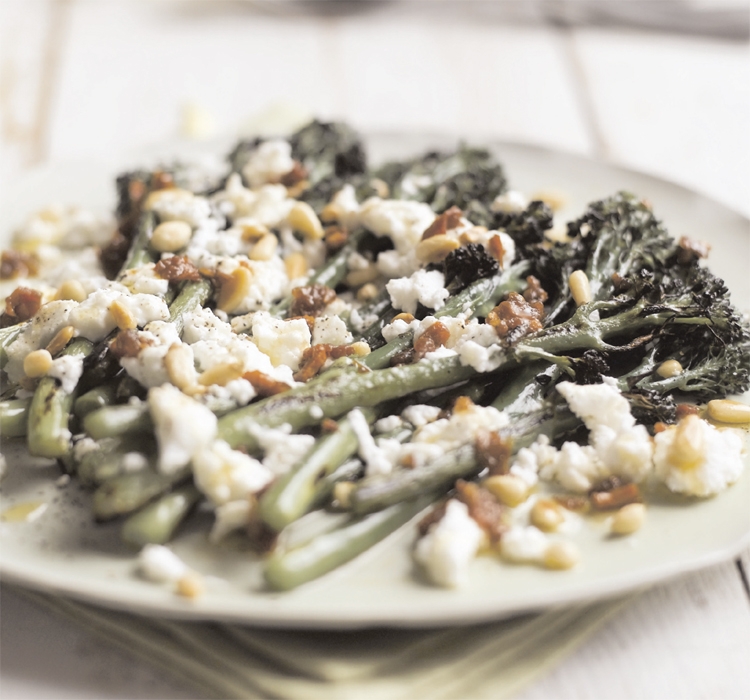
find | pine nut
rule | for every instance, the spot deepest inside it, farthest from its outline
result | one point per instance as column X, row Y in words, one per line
column 171, row 236
column 687, row 448
column 367, row 292
column 507, row 488
column 191, row 585
column 342, row 492
column 71, row 290
column 381, row 188
column 123, row 318
column 436, row 248
column 296, row 266
column 235, row 289
column 251, row 230
column 361, row 348
column 221, row 374
column 180, row 367
column 356, row 278
column 628, row 519
column 303, row 218
column 330, row 213
column 669, row 368
column 168, row 194
column 580, row 287
column 546, row 515
column 265, row 248
column 404, row 316
column 561, row 555
column 61, row 339
column 37, row 363
column 728, row 411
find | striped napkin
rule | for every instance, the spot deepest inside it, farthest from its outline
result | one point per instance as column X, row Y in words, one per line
column 494, row 660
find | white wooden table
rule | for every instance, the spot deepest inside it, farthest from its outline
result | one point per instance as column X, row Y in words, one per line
column 82, row 78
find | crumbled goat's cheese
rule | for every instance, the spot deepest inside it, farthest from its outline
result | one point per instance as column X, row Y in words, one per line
column 69, row 227
column 269, row 162
column 698, row 459
column 173, row 204
column 282, row 449
column 93, row 319
column 420, row 414
column 374, row 458
column 229, row 517
column 426, row 287
column 148, row 366
column 143, row 280
column 398, row 327
column 388, row 424
column 68, row 369
column 225, row 475
column 510, row 202
column 524, row 544
column 50, row 319
column 284, row 341
column 461, row 427
column 160, row 564
column 331, row 330
column 450, row 545
column 183, row 427
column 266, row 206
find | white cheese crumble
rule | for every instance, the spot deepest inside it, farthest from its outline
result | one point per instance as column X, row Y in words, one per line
column 420, row 415
column 510, row 202
column 284, row 341
column 373, row 456
column 331, row 330
column 426, row 287
column 698, row 459
column 282, row 449
column 269, row 162
column 160, row 564
column 450, row 545
column 524, row 544
column 68, row 370
column 183, row 427
column 229, row 517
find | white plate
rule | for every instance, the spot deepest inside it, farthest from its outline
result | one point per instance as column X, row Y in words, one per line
column 64, row 552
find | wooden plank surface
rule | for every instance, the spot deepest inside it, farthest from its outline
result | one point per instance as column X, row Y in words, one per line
column 78, row 79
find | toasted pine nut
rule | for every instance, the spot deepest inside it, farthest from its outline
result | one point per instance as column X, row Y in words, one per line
column 297, row 189
column 507, row 488
column 123, row 318
column 472, row 235
column 251, row 230
column 361, row 348
column 462, row 404
column 687, row 448
column 296, row 266
column 628, row 519
column 546, row 515
column 728, row 411
column 357, row 278
column 436, row 248
column 580, row 287
column 37, row 363
column 173, row 194
column 330, row 213
column 342, row 492
column 561, row 555
column 404, row 316
column 171, row 236
column 191, row 585
column 71, row 290
column 61, row 339
column 180, row 367
column 367, row 292
column 303, row 218
column 221, row 374
column 234, row 290
column 265, row 248
column 381, row 188
column 669, row 368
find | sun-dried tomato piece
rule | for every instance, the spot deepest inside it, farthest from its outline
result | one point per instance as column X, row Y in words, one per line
column 434, row 516
column 328, row 425
column 21, row 304
column 296, row 175
column 570, row 502
column 14, row 264
column 265, row 385
column 405, row 357
column 462, row 404
column 449, row 219
column 493, row 452
column 495, row 248
column 622, row 284
column 112, row 255
column 262, row 538
column 335, row 237
column 177, row 268
column 617, row 495
column 433, row 338
column 685, row 409
column 690, row 250
column 337, row 351
column 313, row 360
column 311, row 299
column 516, row 318
column 534, row 291
column 483, row 507
column 128, row 344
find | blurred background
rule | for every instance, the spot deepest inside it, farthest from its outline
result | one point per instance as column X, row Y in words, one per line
column 658, row 85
